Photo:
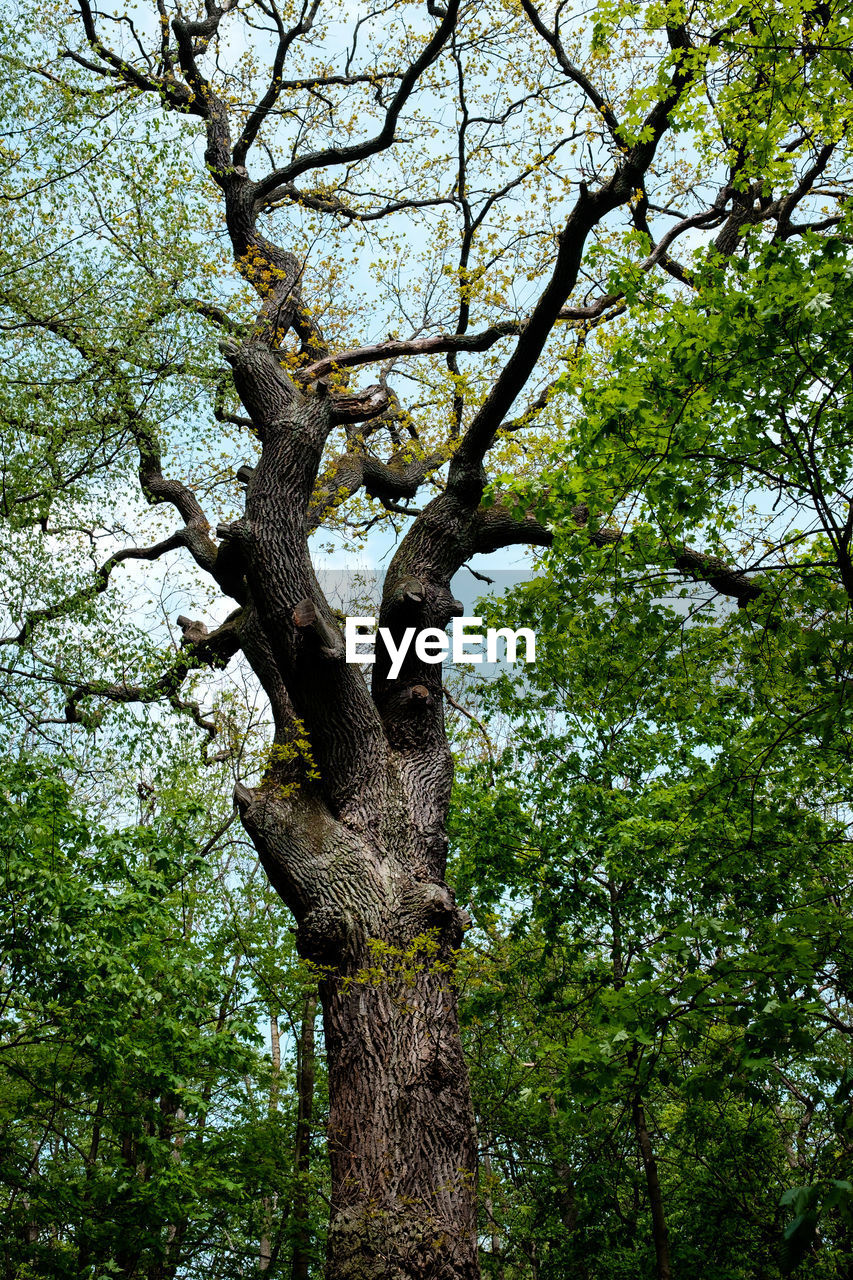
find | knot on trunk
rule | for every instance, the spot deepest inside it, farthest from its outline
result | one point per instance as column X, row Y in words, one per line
column 239, row 531
column 403, row 604
column 410, row 701
column 323, row 935
column 433, row 905
column 194, row 632
column 411, row 598
column 447, row 606
column 230, row 564
column 438, row 899
column 309, row 621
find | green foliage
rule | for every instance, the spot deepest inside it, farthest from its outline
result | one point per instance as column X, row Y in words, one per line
column 660, row 862
column 659, row 869
column 657, row 856
column 743, row 383
column 143, row 1130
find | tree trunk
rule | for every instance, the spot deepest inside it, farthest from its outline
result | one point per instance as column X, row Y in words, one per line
column 660, row 1233
column 305, row 1072
column 401, row 1133
column 349, row 824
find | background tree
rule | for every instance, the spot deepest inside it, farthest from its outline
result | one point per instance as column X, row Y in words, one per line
column 113, row 284
column 147, row 1130
column 657, row 1000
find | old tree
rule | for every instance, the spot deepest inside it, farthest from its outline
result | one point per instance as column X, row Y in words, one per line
column 215, row 219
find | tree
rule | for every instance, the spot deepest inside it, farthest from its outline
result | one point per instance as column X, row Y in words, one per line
column 145, row 1129
column 144, row 1132
column 111, row 291
column 658, row 1005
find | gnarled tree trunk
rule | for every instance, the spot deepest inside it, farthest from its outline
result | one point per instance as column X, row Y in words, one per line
column 382, row 926
column 349, row 824
column 350, row 818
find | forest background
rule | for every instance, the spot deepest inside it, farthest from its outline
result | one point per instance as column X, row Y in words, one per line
column 649, row 830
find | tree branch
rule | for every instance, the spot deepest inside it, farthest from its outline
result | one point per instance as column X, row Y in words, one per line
column 394, row 347
column 386, row 481
column 465, row 478
column 99, row 584
column 212, row 650
column 361, row 150
column 172, row 92
column 573, row 73
column 331, row 204
column 263, row 108
column 158, row 488
column 439, row 344
column 498, row 527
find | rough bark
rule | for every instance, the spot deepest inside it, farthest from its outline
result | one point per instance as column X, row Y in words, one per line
column 401, row 1133
column 349, row 826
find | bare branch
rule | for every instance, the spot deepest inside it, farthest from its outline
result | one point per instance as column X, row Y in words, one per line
column 393, row 348
column 386, row 481
column 499, row 526
column 213, row 650
column 786, row 206
column 700, row 566
column 155, row 486
column 552, row 39
column 465, row 470
column 361, row 406
column 332, row 205
column 158, row 488
column 212, row 312
column 439, row 344
column 172, row 92
column 469, row 715
column 263, row 108
column 385, row 138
